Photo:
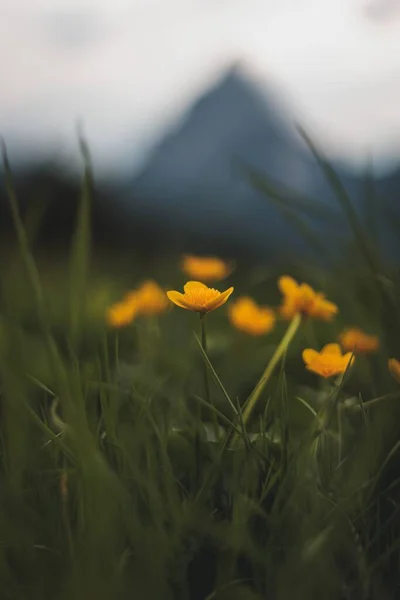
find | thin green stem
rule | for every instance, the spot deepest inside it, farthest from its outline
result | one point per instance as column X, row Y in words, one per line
column 64, row 492
column 276, row 357
column 206, row 378
column 370, row 403
column 204, row 344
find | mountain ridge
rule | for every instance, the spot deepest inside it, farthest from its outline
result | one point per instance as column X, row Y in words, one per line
column 193, row 181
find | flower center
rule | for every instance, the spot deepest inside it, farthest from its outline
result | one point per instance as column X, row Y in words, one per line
column 202, row 297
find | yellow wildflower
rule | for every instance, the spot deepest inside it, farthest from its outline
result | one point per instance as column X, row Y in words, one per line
column 394, row 368
column 121, row 314
column 206, row 268
column 355, row 340
column 199, row 298
column 301, row 298
column 149, row 299
column 330, row 361
column 246, row 315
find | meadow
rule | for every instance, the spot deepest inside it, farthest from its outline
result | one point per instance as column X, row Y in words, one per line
column 198, row 446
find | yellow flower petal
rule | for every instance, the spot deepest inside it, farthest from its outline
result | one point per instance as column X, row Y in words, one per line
column 179, row 299
column 287, row 284
column 206, row 268
column 301, row 298
column 247, row 316
column 289, row 308
column 329, row 362
column 130, row 297
column 320, row 308
column 356, row 340
column 220, row 300
column 199, row 298
column 349, row 356
column 120, row 314
column 394, row 369
column 194, row 285
column 332, row 349
column 309, row 355
column 150, row 298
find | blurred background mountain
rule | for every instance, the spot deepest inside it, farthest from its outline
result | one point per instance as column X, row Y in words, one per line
column 197, row 182
column 196, row 190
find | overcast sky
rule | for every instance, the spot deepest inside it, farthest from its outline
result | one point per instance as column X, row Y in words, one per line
column 128, row 68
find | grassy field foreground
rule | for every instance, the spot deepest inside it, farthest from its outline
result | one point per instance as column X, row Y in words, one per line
column 153, row 452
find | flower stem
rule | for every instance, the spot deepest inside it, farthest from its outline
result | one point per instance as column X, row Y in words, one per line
column 276, row 357
column 204, row 344
column 206, row 378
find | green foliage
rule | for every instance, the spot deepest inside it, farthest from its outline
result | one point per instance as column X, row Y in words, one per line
column 119, row 475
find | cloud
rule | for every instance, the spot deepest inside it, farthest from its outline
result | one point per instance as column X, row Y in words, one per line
column 382, row 10
column 129, row 67
column 70, row 30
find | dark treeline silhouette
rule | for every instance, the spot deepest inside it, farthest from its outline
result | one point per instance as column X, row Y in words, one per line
column 48, row 200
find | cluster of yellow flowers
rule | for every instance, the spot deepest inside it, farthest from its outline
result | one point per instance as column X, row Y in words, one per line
column 249, row 317
column 301, row 298
column 148, row 299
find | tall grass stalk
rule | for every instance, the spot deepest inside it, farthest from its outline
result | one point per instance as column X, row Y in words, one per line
column 276, row 357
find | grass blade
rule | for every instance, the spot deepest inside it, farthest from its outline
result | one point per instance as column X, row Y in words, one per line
column 32, row 273
column 338, row 188
column 80, row 249
column 385, row 304
column 289, row 204
column 215, row 376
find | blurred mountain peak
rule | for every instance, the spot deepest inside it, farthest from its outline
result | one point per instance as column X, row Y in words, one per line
column 234, row 120
column 238, row 89
column 193, row 181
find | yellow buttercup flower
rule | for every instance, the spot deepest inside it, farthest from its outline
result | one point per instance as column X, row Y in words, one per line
column 247, row 316
column 149, row 299
column 206, row 268
column 121, row 314
column 301, row 298
column 394, row 368
column 355, row 340
column 329, row 362
column 199, row 298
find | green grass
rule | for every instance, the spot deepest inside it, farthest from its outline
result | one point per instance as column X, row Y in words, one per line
column 113, row 484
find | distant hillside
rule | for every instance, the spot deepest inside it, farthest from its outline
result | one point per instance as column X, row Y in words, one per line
column 194, row 185
column 194, row 195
